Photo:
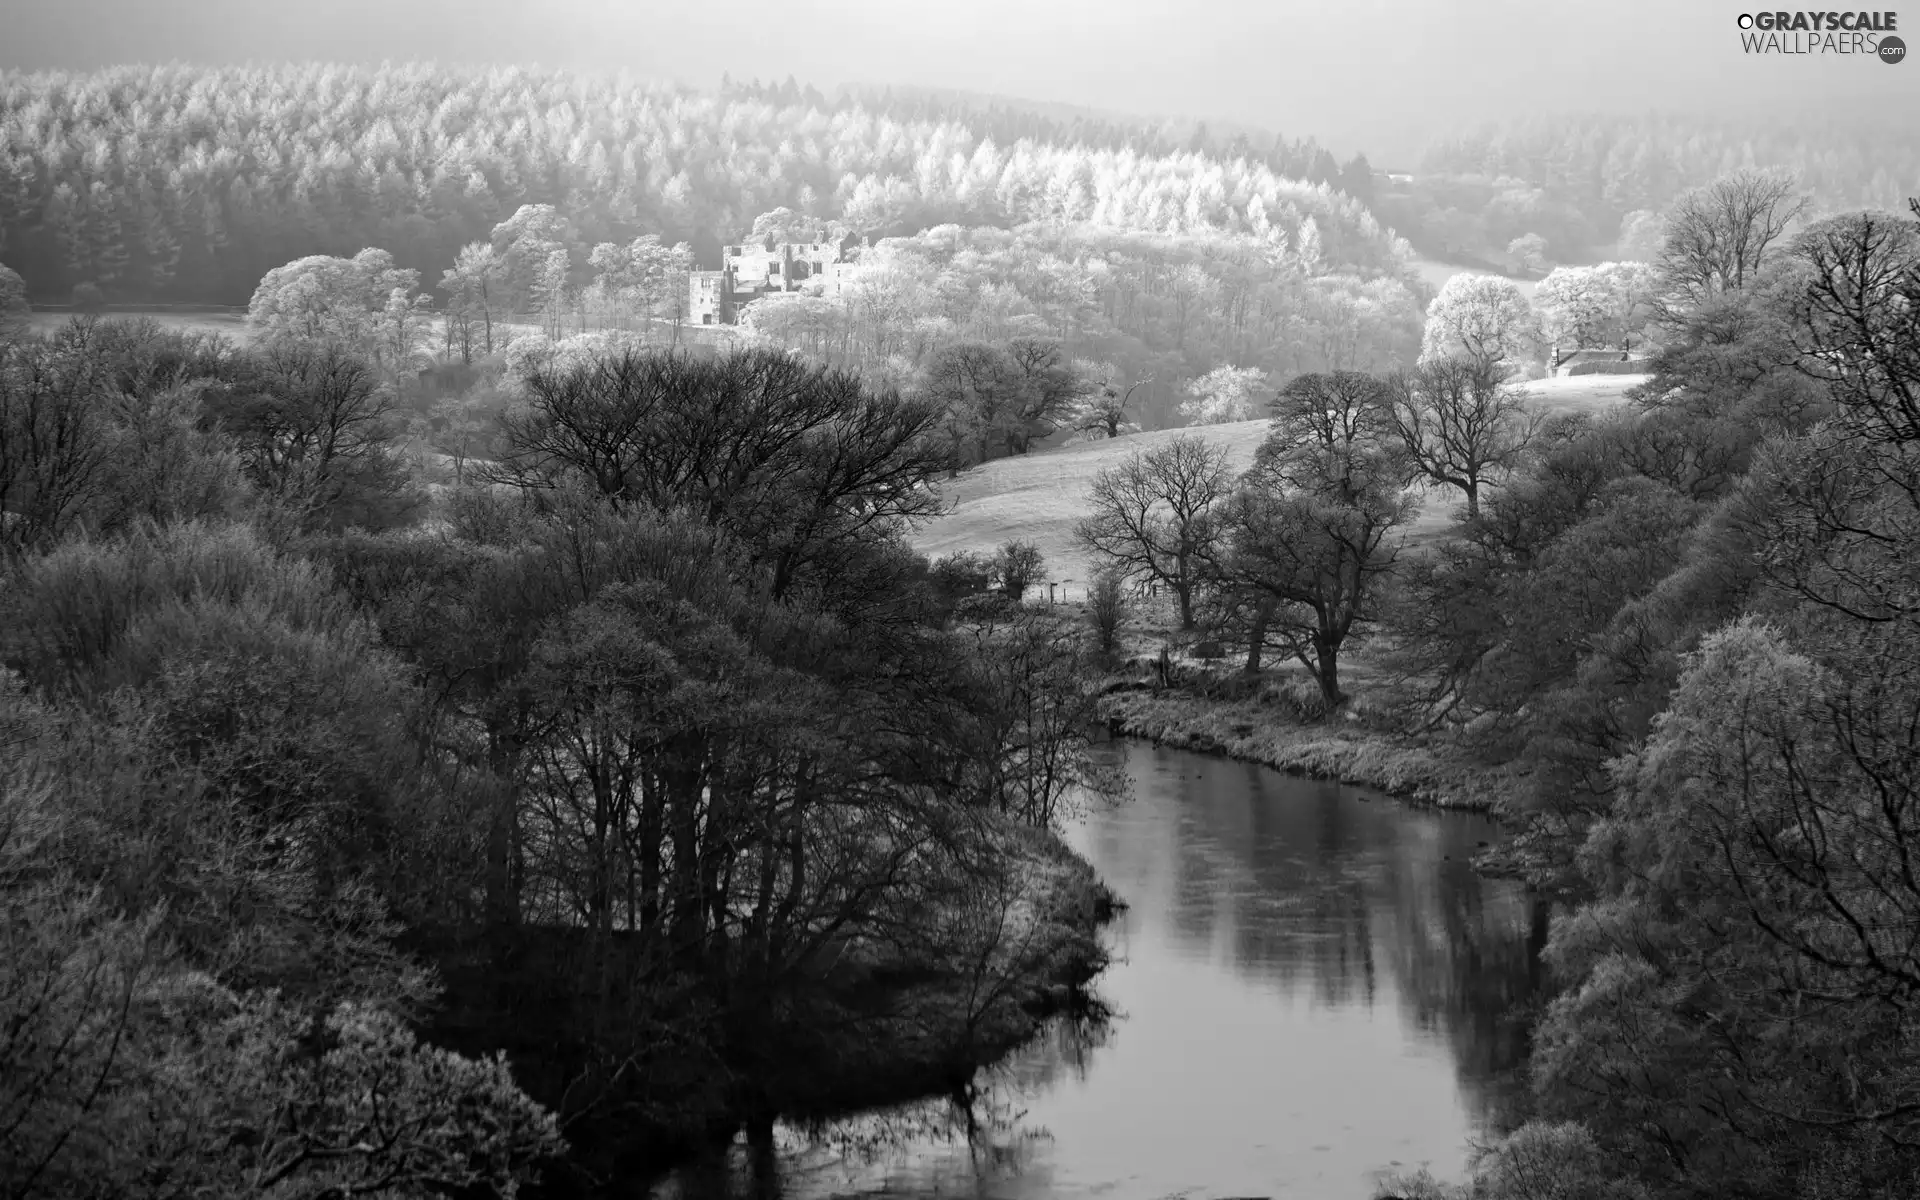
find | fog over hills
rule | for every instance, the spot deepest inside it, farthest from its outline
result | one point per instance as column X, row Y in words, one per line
column 1380, row 75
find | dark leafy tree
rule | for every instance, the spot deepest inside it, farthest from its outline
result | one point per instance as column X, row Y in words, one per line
column 797, row 462
column 1305, row 539
column 1021, row 567
column 314, row 428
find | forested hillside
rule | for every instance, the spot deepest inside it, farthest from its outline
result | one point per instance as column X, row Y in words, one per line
column 187, row 184
column 1156, row 310
column 1008, row 119
column 1586, row 182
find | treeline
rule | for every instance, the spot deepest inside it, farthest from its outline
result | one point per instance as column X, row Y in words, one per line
column 1007, row 120
column 653, row 758
column 1150, row 309
column 187, row 184
column 1575, row 180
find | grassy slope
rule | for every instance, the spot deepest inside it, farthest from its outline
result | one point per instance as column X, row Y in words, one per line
column 1040, row 496
column 232, row 324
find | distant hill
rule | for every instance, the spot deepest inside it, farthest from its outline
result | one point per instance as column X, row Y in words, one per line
column 186, row 184
column 1178, row 128
column 1012, row 118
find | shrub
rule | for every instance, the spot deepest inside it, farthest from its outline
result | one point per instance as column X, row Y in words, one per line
column 959, row 575
column 69, row 613
column 1021, row 567
column 1107, row 610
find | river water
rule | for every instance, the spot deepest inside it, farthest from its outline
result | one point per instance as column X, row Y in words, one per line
column 1310, row 987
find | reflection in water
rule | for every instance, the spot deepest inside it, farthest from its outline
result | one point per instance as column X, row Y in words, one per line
column 1309, row 988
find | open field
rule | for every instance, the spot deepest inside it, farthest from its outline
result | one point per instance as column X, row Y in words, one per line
column 230, row 322
column 1042, row 495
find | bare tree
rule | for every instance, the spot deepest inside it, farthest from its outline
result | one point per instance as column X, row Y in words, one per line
column 1102, row 408
column 1343, row 417
column 1718, row 235
column 1862, row 317
column 53, row 444
column 1049, row 385
column 1152, row 515
column 1021, row 567
column 1459, row 425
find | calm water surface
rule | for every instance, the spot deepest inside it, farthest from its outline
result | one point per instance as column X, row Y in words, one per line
column 1311, row 987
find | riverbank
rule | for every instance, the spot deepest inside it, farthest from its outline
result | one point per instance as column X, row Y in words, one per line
column 1423, row 771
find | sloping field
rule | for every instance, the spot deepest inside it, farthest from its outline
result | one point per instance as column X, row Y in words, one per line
column 231, row 322
column 1041, row 496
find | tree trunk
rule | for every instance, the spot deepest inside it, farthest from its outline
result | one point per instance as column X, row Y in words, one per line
column 651, row 827
column 760, row 1150
column 1326, row 655
column 1183, row 592
column 1257, row 638
column 687, row 902
column 502, row 874
column 1473, row 500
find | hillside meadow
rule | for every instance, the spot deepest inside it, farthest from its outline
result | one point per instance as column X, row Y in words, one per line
column 1040, row 497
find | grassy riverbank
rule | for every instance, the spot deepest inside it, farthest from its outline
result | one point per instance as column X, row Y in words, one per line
column 1417, row 769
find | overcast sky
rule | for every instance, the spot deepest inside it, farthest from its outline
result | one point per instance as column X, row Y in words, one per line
column 1378, row 75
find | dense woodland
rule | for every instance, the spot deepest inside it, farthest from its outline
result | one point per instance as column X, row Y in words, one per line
column 1128, row 308
column 1681, row 636
column 1007, row 120
column 1584, row 183
column 655, row 760
column 188, row 184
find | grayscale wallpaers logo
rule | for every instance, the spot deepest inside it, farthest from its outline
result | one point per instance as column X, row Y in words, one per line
column 1865, row 34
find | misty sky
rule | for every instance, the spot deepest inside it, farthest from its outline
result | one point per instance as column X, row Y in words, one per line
column 1375, row 75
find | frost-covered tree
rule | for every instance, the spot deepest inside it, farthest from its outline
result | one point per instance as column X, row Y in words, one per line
column 13, row 304
column 1594, row 307
column 1483, row 318
column 1226, row 394
column 1529, row 250
column 364, row 304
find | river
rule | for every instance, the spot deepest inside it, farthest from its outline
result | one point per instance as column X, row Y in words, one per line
column 1310, row 987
